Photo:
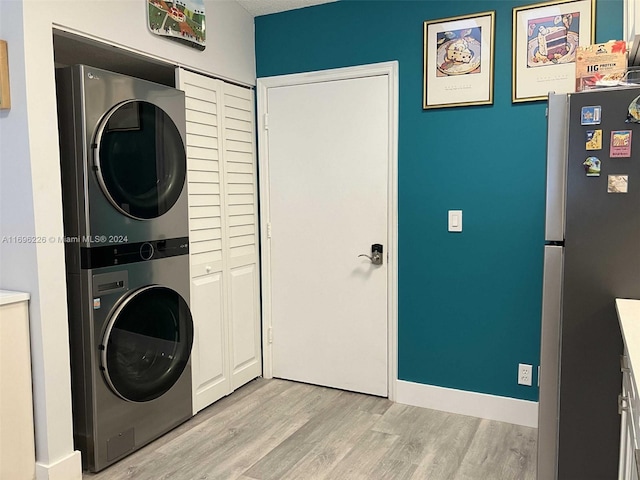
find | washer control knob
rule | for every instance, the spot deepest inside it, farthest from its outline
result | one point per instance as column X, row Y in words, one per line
column 146, row 251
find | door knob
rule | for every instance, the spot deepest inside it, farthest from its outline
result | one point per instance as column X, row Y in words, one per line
column 376, row 254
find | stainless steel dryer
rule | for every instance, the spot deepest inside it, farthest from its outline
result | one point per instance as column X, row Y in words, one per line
column 123, row 157
column 125, row 216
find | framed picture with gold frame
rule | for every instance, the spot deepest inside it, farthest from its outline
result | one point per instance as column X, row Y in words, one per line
column 458, row 61
column 545, row 39
column 5, row 94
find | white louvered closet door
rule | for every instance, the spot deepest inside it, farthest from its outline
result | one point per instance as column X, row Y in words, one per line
column 241, row 215
column 222, row 236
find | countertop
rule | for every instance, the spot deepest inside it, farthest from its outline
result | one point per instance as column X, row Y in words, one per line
column 8, row 297
column 629, row 317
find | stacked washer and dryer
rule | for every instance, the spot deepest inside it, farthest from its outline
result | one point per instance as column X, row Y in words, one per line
column 122, row 143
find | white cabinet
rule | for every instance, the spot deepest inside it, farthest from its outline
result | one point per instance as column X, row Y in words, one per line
column 17, row 446
column 223, row 238
column 629, row 399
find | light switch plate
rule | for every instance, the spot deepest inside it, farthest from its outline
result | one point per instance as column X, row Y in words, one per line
column 455, row 220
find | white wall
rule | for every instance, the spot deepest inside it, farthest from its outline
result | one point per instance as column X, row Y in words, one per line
column 229, row 53
column 30, row 194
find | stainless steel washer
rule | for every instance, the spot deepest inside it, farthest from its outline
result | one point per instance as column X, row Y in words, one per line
column 131, row 334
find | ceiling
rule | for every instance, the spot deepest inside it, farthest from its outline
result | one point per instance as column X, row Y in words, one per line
column 265, row 7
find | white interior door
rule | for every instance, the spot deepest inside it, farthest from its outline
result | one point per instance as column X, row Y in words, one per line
column 328, row 166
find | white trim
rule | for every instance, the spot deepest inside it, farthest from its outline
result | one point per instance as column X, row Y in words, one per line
column 72, row 32
column 390, row 69
column 67, row 468
column 480, row 405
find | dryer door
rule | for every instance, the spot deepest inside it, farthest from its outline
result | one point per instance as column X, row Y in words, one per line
column 147, row 343
column 140, row 159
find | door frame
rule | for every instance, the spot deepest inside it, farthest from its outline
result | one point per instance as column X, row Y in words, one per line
column 390, row 70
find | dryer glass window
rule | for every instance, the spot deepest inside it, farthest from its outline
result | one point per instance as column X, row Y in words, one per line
column 147, row 344
column 141, row 159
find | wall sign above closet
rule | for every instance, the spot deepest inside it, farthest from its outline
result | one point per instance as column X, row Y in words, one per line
column 180, row 20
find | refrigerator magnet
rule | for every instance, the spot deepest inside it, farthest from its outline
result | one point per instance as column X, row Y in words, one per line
column 592, row 166
column 634, row 111
column 617, row 184
column 591, row 115
column 594, row 140
column 620, row 144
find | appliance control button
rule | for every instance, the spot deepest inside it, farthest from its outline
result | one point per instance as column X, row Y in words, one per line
column 146, row 251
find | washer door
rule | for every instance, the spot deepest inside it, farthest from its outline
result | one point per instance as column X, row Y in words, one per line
column 140, row 159
column 147, row 343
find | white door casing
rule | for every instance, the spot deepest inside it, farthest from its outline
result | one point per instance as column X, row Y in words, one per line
column 316, row 291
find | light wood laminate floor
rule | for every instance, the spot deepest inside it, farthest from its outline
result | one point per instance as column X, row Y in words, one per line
column 277, row 430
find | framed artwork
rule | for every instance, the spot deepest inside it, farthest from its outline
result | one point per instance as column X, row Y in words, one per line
column 5, row 97
column 458, row 61
column 545, row 39
column 179, row 20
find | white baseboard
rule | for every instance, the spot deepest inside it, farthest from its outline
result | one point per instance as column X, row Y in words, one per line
column 67, row 468
column 480, row 405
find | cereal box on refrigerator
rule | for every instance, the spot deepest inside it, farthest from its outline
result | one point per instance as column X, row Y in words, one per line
column 601, row 65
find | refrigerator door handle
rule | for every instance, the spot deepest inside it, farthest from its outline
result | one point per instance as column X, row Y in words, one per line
column 557, row 151
column 549, row 404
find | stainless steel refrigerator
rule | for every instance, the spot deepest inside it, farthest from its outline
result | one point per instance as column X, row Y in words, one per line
column 592, row 257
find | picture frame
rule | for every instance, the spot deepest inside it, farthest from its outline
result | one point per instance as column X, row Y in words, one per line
column 5, row 93
column 545, row 39
column 458, row 55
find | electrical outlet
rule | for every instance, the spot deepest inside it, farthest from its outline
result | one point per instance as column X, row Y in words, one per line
column 524, row 374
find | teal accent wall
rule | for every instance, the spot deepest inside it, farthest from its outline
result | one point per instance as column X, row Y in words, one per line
column 470, row 302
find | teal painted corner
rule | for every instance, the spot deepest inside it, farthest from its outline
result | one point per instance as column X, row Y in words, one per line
column 469, row 303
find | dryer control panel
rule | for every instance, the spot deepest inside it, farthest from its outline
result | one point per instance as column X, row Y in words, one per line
column 110, row 255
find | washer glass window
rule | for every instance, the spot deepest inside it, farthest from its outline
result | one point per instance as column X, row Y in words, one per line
column 147, row 343
column 141, row 160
